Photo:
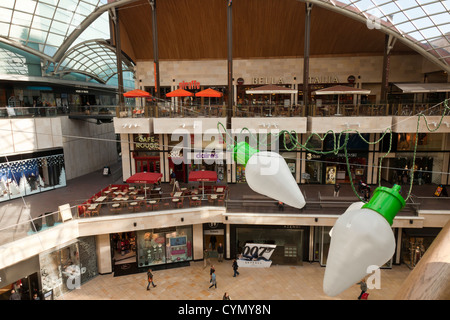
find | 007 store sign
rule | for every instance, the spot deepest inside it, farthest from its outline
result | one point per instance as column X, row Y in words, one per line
column 256, row 255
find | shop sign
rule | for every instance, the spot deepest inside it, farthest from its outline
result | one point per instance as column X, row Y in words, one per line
column 146, row 142
column 267, row 80
column 189, row 85
column 323, row 79
column 256, row 255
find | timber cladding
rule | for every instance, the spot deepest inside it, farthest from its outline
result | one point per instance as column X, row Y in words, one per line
column 195, row 30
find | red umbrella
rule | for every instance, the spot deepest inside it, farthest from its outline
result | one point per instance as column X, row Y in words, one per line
column 145, row 177
column 137, row 93
column 203, row 175
column 179, row 93
column 209, row 93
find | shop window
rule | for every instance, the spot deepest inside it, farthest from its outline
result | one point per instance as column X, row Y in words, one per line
column 154, row 248
column 29, row 176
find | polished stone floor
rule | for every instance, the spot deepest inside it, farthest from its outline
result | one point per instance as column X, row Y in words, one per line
column 192, row 283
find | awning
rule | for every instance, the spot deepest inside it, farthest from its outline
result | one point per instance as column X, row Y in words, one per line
column 423, row 87
column 340, row 90
column 203, row 175
column 271, row 89
column 145, row 177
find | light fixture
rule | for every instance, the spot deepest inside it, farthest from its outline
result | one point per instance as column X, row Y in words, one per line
column 268, row 173
column 361, row 238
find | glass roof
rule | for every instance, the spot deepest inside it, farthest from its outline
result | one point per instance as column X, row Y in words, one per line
column 60, row 33
column 44, row 25
column 95, row 58
column 423, row 24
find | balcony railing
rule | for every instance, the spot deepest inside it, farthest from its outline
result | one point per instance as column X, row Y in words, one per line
column 167, row 110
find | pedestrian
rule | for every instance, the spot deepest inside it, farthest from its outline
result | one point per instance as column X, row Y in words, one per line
column 150, row 279
column 36, row 297
column 366, row 195
column 226, row 296
column 14, row 295
column 213, row 281
column 337, row 186
column 363, row 286
column 235, row 268
column 211, row 271
column 280, row 206
column 220, row 252
column 206, row 258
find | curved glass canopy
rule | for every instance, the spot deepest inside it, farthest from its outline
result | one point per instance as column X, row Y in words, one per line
column 423, row 25
column 54, row 29
column 94, row 58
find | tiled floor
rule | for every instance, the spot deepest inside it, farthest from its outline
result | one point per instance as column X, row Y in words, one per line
column 191, row 283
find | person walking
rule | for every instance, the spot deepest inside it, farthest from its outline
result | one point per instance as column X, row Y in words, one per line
column 211, row 271
column 213, row 280
column 363, row 286
column 220, row 252
column 206, row 258
column 337, row 187
column 235, row 268
column 150, row 279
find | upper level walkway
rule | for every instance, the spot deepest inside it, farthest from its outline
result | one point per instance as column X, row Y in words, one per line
column 20, row 217
column 166, row 110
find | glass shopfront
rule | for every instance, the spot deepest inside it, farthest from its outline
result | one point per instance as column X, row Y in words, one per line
column 290, row 241
column 162, row 246
column 415, row 242
column 22, row 175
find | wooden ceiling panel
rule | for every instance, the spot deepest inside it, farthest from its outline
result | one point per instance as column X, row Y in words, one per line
column 261, row 28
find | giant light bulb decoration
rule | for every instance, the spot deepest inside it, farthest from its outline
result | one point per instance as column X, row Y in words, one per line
column 362, row 237
column 268, row 173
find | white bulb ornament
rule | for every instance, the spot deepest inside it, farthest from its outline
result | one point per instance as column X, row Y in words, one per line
column 362, row 237
column 268, row 174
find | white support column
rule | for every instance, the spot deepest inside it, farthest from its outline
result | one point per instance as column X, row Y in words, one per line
column 103, row 248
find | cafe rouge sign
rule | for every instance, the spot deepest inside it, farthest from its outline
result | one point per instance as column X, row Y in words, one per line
column 146, row 142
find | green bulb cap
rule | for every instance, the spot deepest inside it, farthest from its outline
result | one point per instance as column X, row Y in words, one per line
column 387, row 202
column 242, row 152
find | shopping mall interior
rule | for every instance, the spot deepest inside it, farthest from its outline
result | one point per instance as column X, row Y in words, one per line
column 122, row 122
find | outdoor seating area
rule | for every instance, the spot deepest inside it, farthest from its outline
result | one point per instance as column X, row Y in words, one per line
column 133, row 198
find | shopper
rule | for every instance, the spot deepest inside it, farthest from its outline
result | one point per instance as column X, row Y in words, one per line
column 220, row 252
column 280, row 206
column 235, row 268
column 337, row 186
column 206, row 258
column 226, row 296
column 211, row 271
column 213, row 281
column 363, row 286
column 150, row 279
column 14, row 295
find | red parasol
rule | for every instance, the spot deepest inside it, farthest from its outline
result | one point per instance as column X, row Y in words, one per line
column 145, row 178
column 137, row 93
column 209, row 93
column 179, row 93
column 203, row 175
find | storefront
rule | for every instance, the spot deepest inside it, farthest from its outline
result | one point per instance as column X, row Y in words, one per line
column 428, row 160
column 134, row 252
column 68, row 267
column 415, row 242
column 31, row 173
column 291, row 241
column 213, row 235
column 23, row 278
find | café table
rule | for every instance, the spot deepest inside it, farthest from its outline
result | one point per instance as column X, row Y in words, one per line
column 152, row 203
column 178, row 194
column 219, row 190
column 134, row 206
